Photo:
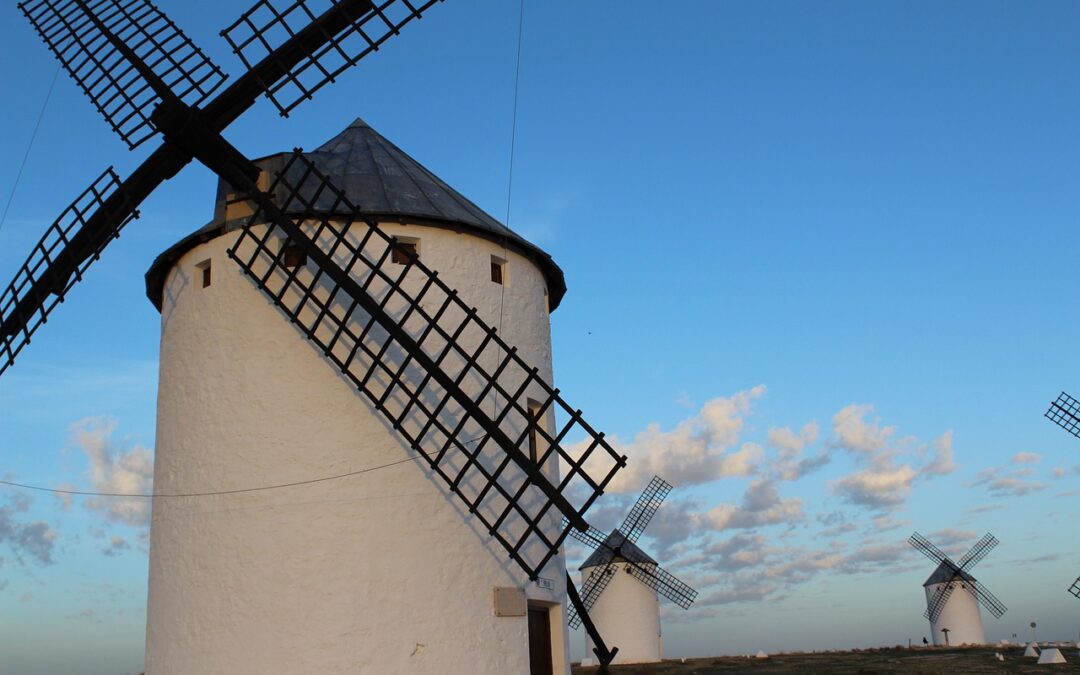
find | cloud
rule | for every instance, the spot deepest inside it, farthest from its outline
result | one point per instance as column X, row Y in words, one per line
column 737, row 552
column 698, row 450
column 789, row 465
column 1004, row 482
column 761, row 506
column 883, row 488
column 117, row 545
column 942, row 462
column 115, row 471
column 35, row 539
column 738, row 593
column 1026, row 458
column 855, row 433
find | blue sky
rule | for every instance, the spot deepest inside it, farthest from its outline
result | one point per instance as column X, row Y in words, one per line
column 834, row 232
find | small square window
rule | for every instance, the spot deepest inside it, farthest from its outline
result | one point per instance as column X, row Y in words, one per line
column 405, row 250
column 498, row 270
column 293, row 255
column 204, row 273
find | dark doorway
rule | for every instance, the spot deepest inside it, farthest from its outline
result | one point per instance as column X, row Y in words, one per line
column 539, row 641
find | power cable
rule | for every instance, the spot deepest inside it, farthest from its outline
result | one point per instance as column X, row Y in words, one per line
column 158, row 495
column 29, row 146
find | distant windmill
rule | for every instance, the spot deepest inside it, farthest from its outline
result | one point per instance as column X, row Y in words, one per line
column 1065, row 412
column 629, row 611
column 959, row 611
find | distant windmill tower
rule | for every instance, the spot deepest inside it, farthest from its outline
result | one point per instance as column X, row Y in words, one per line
column 337, row 316
column 953, row 595
column 620, row 584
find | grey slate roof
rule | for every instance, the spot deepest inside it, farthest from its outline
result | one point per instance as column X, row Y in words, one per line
column 944, row 573
column 383, row 182
column 605, row 554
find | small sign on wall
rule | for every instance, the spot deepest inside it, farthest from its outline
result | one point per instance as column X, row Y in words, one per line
column 510, row 601
column 545, row 583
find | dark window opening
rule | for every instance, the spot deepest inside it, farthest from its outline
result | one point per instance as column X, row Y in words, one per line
column 404, row 251
column 498, row 270
column 534, row 431
column 293, row 255
column 204, row 272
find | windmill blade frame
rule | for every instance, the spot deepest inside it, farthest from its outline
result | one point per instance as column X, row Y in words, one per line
column 665, row 583
column 30, row 293
column 988, row 600
column 650, row 500
column 109, row 79
column 367, row 25
column 1075, row 588
column 60, row 259
column 927, row 548
column 1064, row 411
column 977, row 552
column 592, row 536
column 937, row 601
column 598, row 580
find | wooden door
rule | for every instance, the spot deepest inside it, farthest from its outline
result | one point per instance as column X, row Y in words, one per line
column 539, row 641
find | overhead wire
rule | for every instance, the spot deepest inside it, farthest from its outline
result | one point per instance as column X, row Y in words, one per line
column 162, row 495
column 509, row 185
column 29, row 147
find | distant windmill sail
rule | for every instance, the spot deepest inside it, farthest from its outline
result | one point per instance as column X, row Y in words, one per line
column 1075, row 588
column 1065, row 412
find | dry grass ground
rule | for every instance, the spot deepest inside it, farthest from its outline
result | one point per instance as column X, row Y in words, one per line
column 974, row 661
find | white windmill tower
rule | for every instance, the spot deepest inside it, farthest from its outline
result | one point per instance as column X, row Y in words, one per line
column 953, row 595
column 621, row 584
column 310, row 352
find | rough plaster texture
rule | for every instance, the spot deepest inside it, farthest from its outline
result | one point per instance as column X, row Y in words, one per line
column 627, row 614
column 960, row 615
column 377, row 573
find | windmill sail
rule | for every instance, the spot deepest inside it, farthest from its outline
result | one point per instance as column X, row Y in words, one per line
column 1065, row 412
column 430, row 365
column 59, row 260
column 645, row 508
column 362, row 26
column 73, row 31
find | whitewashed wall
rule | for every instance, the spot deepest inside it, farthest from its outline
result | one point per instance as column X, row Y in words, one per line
column 379, row 573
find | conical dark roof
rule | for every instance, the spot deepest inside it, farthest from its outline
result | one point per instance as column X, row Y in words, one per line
column 945, row 573
column 628, row 550
column 383, row 182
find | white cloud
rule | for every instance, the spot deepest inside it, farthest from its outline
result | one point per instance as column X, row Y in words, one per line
column 853, row 432
column 761, row 506
column 1026, row 458
column 116, row 472
column 698, row 450
column 942, row 462
column 789, row 464
column 884, row 487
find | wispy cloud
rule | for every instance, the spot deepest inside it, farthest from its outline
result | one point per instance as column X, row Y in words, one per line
column 115, row 471
column 700, row 449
